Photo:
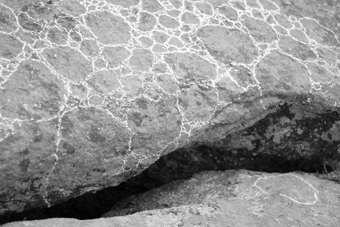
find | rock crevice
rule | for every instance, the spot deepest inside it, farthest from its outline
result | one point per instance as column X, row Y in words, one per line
column 94, row 92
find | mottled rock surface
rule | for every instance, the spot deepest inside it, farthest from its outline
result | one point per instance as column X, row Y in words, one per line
column 94, row 92
column 244, row 198
column 235, row 198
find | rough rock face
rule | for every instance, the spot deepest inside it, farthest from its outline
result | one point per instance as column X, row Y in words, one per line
column 93, row 92
column 245, row 198
column 235, row 198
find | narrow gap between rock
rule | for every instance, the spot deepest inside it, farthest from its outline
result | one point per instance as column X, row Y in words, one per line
column 298, row 150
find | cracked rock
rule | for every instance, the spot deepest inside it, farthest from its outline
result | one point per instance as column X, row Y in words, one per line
column 92, row 93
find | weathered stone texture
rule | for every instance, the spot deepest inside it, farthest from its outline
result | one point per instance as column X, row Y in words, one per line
column 57, row 36
column 28, row 23
column 89, row 47
column 259, row 30
column 26, row 155
column 72, row 7
column 167, row 83
column 8, row 22
column 104, row 81
column 108, row 28
column 326, row 12
column 69, row 63
column 268, row 195
column 151, row 6
column 282, row 78
column 298, row 35
column 190, row 68
column 327, row 55
column 319, row 74
column 115, row 55
column 146, row 21
column 92, row 92
column 124, row 3
column 296, row 48
column 160, row 37
column 204, row 7
column 168, row 22
column 227, row 45
column 243, row 76
column 228, row 12
column 85, row 133
column 32, row 91
column 10, row 47
column 141, row 59
column 227, row 89
column 156, row 125
column 198, row 103
column 236, row 198
column 132, row 85
column 190, row 18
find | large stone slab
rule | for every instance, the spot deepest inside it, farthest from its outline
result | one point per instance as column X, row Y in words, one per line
column 236, row 198
column 241, row 198
column 92, row 94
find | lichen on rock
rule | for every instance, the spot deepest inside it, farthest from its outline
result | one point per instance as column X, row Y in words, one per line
column 94, row 92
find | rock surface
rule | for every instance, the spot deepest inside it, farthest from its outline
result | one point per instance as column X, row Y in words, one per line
column 235, row 198
column 89, row 97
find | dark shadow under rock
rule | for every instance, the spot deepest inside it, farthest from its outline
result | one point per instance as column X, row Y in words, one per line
column 296, row 137
column 302, row 190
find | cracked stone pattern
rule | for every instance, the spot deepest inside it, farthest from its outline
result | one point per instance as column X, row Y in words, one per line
column 98, row 90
